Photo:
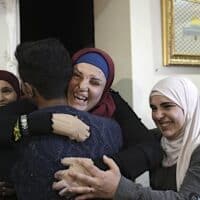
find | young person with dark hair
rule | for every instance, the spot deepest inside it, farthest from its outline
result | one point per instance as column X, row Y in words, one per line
column 45, row 68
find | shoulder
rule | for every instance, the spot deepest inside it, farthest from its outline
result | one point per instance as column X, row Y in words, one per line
column 123, row 109
column 116, row 96
column 195, row 158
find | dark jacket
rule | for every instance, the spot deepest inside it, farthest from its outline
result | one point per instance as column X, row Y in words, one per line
column 140, row 152
column 39, row 156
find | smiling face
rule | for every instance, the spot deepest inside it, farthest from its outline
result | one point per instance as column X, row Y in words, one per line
column 7, row 93
column 86, row 87
column 167, row 115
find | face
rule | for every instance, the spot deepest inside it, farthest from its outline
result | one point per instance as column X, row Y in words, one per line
column 167, row 115
column 7, row 93
column 86, row 87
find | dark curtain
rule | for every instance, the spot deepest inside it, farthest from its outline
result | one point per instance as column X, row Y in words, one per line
column 72, row 21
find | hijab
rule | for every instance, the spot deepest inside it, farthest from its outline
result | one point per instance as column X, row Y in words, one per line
column 12, row 80
column 185, row 94
column 106, row 106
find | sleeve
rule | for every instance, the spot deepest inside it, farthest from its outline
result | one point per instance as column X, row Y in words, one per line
column 190, row 189
column 141, row 151
column 39, row 123
column 7, row 124
column 9, row 115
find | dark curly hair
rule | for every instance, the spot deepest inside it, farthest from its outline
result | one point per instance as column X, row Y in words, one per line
column 46, row 65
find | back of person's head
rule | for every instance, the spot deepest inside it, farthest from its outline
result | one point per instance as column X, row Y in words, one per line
column 46, row 65
column 12, row 80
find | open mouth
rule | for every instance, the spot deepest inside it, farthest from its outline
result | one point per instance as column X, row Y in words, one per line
column 80, row 98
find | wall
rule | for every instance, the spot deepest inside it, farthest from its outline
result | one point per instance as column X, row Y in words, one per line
column 9, row 33
column 147, row 56
column 130, row 30
column 112, row 33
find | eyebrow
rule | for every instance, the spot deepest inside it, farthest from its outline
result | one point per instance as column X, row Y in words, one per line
column 94, row 78
column 7, row 87
column 168, row 102
column 164, row 103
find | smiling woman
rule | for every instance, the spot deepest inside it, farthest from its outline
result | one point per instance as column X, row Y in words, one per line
column 9, row 92
column 9, row 88
column 167, row 115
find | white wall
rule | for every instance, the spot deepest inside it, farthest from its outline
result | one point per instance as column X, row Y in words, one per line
column 9, row 34
column 112, row 33
column 3, row 35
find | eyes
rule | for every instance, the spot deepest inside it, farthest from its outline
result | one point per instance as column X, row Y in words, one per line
column 79, row 77
column 164, row 106
column 6, row 90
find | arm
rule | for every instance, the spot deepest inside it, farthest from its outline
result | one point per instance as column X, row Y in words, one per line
column 190, row 187
column 109, row 184
column 9, row 115
column 141, row 151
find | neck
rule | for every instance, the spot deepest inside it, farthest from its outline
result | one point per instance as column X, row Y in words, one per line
column 43, row 103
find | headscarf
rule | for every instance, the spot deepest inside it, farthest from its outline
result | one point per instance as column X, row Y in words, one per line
column 186, row 95
column 12, row 80
column 106, row 106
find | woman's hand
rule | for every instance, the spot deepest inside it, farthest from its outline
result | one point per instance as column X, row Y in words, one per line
column 71, row 126
column 6, row 189
column 64, row 180
column 100, row 184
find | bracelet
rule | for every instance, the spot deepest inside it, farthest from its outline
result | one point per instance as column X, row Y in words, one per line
column 24, row 124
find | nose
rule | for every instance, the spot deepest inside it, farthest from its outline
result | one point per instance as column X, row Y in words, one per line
column 83, row 85
column 158, row 114
column 1, row 97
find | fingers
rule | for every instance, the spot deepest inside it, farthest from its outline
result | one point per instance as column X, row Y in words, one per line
column 89, row 166
column 82, row 135
column 2, row 183
column 60, row 174
column 60, row 185
column 110, row 162
column 79, row 190
column 78, row 177
column 75, row 160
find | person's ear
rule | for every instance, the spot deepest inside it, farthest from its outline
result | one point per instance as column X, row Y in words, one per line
column 28, row 90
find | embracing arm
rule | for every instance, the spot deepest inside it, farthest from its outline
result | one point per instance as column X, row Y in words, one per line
column 190, row 187
column 9, row 115
column 110, row 184
column 37, row 123
column 141, row 151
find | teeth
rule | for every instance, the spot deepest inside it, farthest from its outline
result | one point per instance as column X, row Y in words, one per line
column 82, row 98
column 164, row 124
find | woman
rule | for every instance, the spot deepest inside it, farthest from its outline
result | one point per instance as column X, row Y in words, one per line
column 9, row 88
column 175, row 104
column 89, row 90
column 9, row 92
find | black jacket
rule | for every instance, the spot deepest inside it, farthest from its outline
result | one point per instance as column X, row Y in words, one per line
column 141, row 150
